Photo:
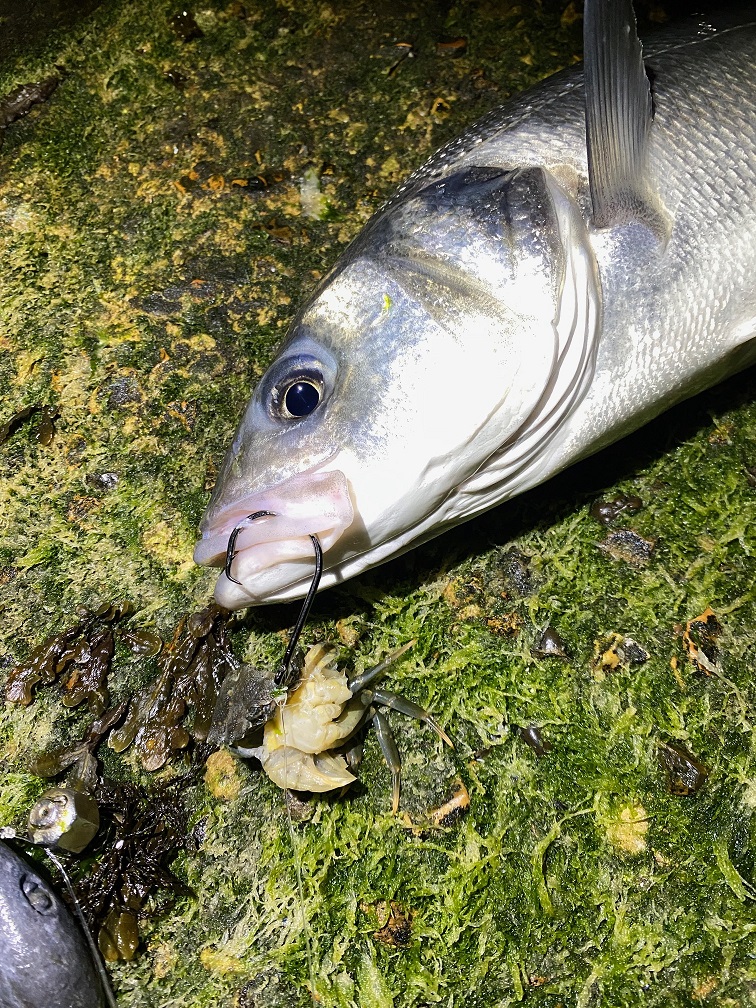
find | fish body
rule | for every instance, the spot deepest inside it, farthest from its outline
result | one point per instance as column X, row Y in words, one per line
column 573, row 265
column 44, row 959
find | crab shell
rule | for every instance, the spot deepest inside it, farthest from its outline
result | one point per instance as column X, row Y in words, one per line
column 319, row 715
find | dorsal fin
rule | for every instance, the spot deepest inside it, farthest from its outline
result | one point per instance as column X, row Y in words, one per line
column 618, row 117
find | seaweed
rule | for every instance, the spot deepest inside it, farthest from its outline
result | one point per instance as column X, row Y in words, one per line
column 686, row 774
column 79, row 658
column 532, row 735
column 700, row 641
column 141, row 831
column 79, row 754
column 44, row 431
column 23, row 98
column 608, row 511
column 191, row 669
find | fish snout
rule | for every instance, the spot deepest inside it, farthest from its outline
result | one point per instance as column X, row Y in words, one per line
column 273, row 551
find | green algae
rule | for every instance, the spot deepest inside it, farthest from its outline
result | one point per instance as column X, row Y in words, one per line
column 144, row 291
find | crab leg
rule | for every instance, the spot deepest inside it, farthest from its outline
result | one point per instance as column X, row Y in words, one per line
column 358, row 683
column 397, row 703
column 391, row 754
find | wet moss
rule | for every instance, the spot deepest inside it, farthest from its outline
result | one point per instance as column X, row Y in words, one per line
column 144, row 292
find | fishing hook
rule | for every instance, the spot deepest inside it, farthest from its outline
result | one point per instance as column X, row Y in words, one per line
column 230, row 551
column 283, row 673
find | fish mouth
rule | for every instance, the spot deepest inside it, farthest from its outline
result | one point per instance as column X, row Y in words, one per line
column 275, row 551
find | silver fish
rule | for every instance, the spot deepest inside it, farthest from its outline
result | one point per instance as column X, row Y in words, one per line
column 44, row 959
column 570, row 267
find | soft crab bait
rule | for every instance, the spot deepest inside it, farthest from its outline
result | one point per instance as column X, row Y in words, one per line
column 308, row 743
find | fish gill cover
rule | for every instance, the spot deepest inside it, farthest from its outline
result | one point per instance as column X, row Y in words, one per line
column 164, row 208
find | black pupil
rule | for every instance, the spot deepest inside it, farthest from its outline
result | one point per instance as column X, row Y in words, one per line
column 302, row 398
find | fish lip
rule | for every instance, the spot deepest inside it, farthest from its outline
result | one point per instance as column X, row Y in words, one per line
column 312, row 502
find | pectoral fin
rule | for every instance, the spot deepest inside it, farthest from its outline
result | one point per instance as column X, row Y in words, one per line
column 618, row 116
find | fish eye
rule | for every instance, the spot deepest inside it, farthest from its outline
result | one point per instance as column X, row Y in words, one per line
column 298, row 383
column 37, row 896
column 301, row 398
column 297, row 387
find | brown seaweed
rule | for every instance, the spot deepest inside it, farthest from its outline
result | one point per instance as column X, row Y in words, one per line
column 685, row 773
column 394, row 923
column 45, row 430
column 452, row 48
column 191, row 669
column 246, row 701
column 79, row 657
column 700, row 640
column 143, row 642
column 531, row 734
column 44, row 664
column 87, row 673
column 22, row 99
column 79, row 754
column 185, row 26
column 141, row 831
column 152, row 723
column 607, row 511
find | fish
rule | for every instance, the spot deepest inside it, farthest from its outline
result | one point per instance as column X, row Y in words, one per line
column 44, row 958
column 576, row 263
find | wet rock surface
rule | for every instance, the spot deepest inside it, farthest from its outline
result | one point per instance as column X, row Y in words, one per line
column 146, row 288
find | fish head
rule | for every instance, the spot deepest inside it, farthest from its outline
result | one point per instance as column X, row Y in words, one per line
column 426, row 350
column 44, row 962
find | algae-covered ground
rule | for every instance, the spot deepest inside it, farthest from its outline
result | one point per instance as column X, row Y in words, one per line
column 155, row 242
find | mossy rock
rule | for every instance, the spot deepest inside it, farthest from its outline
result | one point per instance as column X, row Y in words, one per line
column 154, row 248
